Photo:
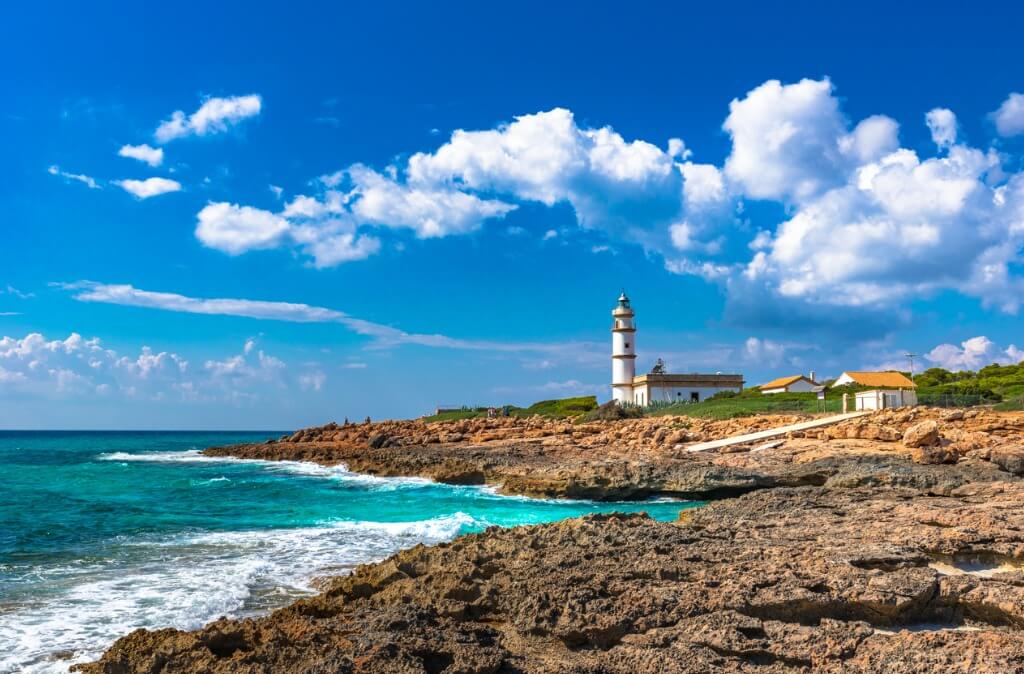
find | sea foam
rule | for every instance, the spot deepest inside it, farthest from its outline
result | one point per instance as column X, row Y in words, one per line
column 188, row 580
column 307, row 468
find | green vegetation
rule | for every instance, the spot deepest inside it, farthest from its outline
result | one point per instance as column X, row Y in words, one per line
column 992, row 381
column 455, row 415
column 561, row 409
column 729, row 405
column 1011, row 405
column 612, row 411
column 566, row 407
column 999, row 385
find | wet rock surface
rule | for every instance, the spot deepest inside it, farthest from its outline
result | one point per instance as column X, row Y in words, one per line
column 844, row 555
column 785, row 580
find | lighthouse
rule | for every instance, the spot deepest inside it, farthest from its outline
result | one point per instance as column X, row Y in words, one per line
column 623, row 351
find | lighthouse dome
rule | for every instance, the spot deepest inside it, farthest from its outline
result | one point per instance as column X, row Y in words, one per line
column 622, row 308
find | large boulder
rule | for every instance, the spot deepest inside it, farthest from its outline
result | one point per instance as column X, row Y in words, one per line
column 378, row 440
column 1010, row 459
column 458, row 472
column 934, row 454
column 923, row 434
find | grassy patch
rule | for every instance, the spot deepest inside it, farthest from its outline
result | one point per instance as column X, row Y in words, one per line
column 562, row 408
column 455, row 415
column 1011, row 405
column 566, row 407
column 749, row 403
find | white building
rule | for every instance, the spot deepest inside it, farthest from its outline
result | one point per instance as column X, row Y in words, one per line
column 879, row 399
column 796, row 383
column 889, row 389
column 630, row 389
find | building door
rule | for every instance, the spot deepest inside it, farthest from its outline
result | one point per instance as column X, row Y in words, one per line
column 694, row 396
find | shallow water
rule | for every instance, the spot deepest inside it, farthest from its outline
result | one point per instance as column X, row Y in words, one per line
column 102, row 533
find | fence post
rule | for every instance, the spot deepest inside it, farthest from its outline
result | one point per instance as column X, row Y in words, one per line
column 846, row 402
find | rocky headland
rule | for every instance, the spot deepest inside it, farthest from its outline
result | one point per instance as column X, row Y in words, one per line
column 640, row 458
column 888, row 543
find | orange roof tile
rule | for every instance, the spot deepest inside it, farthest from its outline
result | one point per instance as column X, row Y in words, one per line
column 782, row 382
column 882, row 379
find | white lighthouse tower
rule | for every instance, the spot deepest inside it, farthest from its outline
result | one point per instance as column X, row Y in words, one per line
column 623, row 351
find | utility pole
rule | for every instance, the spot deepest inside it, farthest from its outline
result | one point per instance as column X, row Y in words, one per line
column 911, row 357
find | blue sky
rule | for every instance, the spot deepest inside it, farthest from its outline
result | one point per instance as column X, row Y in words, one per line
column 263, row 216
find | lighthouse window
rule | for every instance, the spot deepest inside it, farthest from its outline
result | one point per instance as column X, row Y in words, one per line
column 627, row 345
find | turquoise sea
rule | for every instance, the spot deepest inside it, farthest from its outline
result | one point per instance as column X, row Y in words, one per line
column 105, row 532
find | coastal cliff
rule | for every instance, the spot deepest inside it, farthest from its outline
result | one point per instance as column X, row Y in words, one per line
column 889, row 543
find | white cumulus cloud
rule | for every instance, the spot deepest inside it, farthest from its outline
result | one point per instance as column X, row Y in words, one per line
column 863, row 222
column 150, row 187
column 632, row 189
column 236, row 229
column 428, row 211
column 870, row 224
column 154, row 156
column 1009, row 118
column 215, row 115
column 785, row 140
column 942, row 124
column 79, row 367
column 334, row 226
column 973, row 353
column 610, row 182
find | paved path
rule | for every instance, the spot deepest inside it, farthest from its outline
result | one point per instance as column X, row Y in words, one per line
column 773, row 432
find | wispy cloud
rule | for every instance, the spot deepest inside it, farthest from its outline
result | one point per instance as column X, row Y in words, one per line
column 80, row 177
column 383, row 335
column 11, row 290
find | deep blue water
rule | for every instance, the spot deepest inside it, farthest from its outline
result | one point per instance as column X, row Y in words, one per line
column 104, row 532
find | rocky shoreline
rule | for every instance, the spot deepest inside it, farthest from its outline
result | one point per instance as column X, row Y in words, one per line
column 636, row 459
column 889, row 543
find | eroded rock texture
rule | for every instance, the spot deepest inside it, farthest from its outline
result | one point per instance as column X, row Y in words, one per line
column 840, row 551
column 785, row 580
column 634, row 459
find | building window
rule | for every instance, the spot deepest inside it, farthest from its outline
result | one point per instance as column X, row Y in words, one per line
column 694, row 397
column 679, row 393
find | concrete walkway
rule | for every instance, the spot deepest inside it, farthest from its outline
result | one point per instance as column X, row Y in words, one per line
column 774, row 432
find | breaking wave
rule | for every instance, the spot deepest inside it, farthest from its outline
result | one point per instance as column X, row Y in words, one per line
column 188, row 580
